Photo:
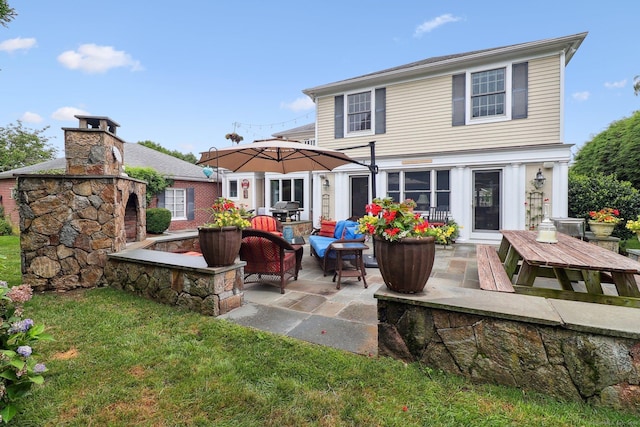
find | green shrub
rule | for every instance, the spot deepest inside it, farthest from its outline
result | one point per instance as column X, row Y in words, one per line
column 5, row 228
column 158, row 220
column 592, row 193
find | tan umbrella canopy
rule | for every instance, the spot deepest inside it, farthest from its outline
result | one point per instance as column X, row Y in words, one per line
column 274, row 155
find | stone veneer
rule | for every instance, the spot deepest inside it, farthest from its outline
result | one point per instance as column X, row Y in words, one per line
column 68, row 225
column 565, row 360
column 175, row 278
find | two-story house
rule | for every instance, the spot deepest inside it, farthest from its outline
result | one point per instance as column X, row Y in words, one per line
column 467, row 133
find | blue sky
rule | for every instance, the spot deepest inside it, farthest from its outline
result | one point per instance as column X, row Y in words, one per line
column 183, row 74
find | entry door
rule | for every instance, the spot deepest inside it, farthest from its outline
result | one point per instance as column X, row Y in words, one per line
column 359, row 195
column 487, row 200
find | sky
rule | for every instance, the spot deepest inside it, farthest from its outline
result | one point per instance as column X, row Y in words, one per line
column 184, row 74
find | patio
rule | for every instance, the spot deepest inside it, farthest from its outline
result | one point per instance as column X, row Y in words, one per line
column 313, row 310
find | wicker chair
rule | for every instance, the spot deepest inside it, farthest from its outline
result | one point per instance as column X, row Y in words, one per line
column 267, row 254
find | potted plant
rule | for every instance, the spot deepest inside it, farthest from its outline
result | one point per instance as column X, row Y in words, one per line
column 220, row 237
column 634, row 226
column 403, row 241
column 603, row 222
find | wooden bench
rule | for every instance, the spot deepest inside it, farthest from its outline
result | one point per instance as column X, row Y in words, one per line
column 491, row 272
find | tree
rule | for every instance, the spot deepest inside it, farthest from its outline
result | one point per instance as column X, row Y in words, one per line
column 20, row 146
column 615, row 151
column 234, row 137
column 190, row 157
column 7, row 13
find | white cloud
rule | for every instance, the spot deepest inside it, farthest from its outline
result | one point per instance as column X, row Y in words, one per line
column 428, row 26
column 92, row 58
column 29, row 117
column 66, row 114
column 17, row 44
column 301, row 104
column 616, row 85
column 581, row 96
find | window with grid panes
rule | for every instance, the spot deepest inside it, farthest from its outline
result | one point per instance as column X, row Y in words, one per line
column 359, row 111
column 488, row 91
column 176, row 201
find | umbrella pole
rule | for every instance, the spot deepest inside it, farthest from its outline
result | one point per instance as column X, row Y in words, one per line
column 369, row 260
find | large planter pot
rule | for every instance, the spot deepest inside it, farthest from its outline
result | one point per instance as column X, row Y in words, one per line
column 601, row 229
column 220, row 246
column 405, row 265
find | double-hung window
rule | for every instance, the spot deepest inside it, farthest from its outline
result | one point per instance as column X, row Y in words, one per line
column 359, row 112
column 233, row 188
column 176, row 201
column 488, row 93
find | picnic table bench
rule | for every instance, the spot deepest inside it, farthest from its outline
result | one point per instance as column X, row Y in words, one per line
column 491, row 272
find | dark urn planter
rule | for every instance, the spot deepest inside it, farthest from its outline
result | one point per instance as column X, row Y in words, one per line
column 220, row 246
column 405, row 265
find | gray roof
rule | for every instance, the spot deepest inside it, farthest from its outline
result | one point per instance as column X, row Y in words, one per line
column 309, row 128
column 134, row 155
column 568, row 44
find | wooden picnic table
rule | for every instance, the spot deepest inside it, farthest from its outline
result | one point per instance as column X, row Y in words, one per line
column 568, row 260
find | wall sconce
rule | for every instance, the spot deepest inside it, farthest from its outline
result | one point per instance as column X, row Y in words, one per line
column 325, row 184
column 539, row 180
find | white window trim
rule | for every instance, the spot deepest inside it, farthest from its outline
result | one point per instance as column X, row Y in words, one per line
column 347, row 133
column 237, row 196
column 184, row 206
column 507, row 90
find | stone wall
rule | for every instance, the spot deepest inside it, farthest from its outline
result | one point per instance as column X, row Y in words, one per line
column 567, row 364
column 69, row 224
column 177, row 279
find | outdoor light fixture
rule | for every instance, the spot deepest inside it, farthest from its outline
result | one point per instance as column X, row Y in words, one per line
column 539, row 180
column 325, row 184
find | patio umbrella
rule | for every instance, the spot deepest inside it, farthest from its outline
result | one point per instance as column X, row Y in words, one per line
column 274, row 155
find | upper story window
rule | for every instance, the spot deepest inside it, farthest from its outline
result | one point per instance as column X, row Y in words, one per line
column 359, row 111
column 488, row 93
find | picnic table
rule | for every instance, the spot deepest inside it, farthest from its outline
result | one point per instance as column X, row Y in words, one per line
column 569, row 260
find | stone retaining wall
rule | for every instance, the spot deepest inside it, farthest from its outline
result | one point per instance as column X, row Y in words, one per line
column 177, row 279
column 561, row 361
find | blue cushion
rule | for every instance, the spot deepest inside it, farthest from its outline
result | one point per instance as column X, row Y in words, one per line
column 320, row 244
column 342, row 229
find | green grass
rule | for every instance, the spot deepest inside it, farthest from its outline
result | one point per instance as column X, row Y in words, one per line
column 10, row 267
column 119, row 360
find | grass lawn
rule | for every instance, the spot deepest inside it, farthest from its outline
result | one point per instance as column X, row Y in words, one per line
column 119, row 360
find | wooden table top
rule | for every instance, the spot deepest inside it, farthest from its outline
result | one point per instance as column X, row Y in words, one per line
column 569, row 252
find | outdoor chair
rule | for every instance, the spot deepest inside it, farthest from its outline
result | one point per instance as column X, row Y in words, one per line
column 267, row 254
column 331, row 232
column 267, row 223
column 438, row 216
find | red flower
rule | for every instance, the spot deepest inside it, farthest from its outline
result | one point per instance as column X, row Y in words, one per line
column 389, row 216
column 393, row 231
column 373, row 209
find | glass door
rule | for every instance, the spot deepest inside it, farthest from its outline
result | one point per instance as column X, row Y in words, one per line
column 487, row 200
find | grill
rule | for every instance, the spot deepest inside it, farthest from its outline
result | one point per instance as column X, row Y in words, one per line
column 284, row 210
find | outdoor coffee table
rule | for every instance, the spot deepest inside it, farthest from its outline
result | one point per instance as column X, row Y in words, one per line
column 349, row 252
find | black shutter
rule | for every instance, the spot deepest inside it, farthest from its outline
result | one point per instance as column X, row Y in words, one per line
column 160, row 199
column 339, row 116
column 191, row 204
column 381, row 110
column 519, row 90
column 458, row 103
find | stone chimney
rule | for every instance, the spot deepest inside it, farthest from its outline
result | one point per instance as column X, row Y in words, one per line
column 93, row 149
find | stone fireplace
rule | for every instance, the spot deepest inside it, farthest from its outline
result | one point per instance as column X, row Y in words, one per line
column 70, row 222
